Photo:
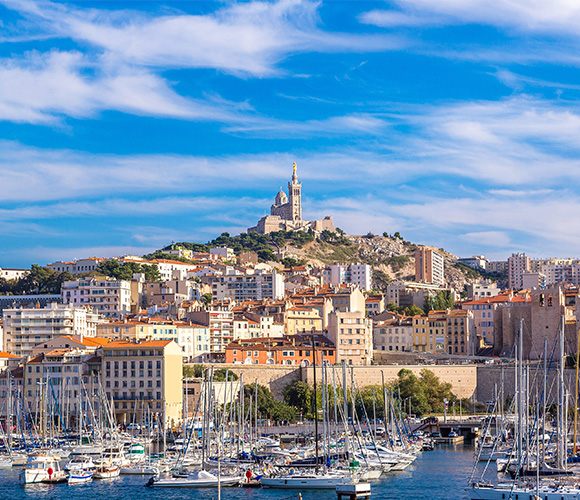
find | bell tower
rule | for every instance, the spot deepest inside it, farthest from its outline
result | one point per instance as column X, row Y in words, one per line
column 295, row 196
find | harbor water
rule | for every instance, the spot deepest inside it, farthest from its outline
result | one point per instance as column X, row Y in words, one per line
column 441, row 474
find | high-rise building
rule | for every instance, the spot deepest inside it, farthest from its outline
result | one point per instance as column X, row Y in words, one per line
column 429, row 267
column 518, row 263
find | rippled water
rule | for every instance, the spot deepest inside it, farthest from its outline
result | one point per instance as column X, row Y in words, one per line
column 438, row 475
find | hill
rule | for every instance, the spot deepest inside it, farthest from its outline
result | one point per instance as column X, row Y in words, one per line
column 391, row 257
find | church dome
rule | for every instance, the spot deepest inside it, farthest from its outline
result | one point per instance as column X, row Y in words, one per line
column 281, row 198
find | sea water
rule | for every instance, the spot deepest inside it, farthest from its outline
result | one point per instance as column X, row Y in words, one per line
column 441, row 474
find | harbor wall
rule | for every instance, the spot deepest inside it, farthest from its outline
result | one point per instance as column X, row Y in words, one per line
column 463, row 378
column 489, row 380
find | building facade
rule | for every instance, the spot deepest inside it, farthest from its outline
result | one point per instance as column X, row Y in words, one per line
column 107, row 296
column 429, row 266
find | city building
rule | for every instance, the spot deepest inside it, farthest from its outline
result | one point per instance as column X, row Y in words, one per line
column 25, row 328
column 294, row 350
column 355, row 274
column 286, row 213
column 242, row 287
column 77, row 266
column 352, row 334
column 476, row 262
column 459, row 329
column 219, row 319
column 302, row 319
column 532, row 279
column 429, row 267
column 107, row 296
column 143, row 379
column 224, row 252
column 481, row 289
column 517, row 265
column 395, row 334
column 375, row 304
column 12, row 274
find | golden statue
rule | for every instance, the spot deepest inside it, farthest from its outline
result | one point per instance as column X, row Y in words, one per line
column 294, row 167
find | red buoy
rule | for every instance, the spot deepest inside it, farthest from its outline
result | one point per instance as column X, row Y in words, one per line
column 50, row 471
column 249, row 474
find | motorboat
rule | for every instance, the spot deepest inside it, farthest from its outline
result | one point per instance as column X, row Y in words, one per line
column 196, row 479
column 80, row 477
column 81, row 462
column 42, row 469
column 107, row 472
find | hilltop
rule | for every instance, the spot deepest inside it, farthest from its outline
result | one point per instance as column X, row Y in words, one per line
column 390, row 255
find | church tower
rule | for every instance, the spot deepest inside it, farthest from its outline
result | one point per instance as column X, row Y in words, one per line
column 295, row 196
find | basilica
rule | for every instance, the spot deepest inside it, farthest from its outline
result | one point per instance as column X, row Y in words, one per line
column 286, row 213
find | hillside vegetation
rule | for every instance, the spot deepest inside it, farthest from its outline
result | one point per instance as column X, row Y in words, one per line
column 390, row 256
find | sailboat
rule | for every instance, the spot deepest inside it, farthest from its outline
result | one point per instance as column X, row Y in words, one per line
column 532, row 488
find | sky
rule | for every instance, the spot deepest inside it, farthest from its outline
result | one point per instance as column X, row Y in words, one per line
column 125, row 126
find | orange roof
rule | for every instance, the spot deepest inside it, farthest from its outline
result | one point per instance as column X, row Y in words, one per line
column 4, row 354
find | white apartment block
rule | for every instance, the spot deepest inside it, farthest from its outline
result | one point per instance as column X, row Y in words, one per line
column 253, row 326
column 518, row 263
column 171, row 269
column 77, row 266
column 26, row 328
column 224, row 252
column 352, row 334
column 356, row 274
column 107, row 296
column 195, row 342
column 242, row 287
column 482, row 289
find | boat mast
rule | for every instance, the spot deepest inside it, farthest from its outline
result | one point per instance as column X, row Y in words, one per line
column 315, row 405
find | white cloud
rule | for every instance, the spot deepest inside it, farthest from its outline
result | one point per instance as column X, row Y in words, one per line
column 240, row 38
column 524, row 15
column 39, row 88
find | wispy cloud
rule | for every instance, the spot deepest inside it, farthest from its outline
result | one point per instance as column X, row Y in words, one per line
column 241, row 38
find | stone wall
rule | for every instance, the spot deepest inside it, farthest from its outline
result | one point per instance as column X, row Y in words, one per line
column 463, row 378
column 490, row 377
column 273, row 377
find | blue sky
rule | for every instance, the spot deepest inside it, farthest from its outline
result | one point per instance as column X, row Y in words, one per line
column 126, row 125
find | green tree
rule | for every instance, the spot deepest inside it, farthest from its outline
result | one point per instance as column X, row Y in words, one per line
column 220, row 375
column 413, row 311
column 206, row 298
column 410, row 388
column 299, row 395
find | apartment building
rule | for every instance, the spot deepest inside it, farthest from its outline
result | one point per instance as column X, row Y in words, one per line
column 429, row 266
column 77, row 266
column 143, row 378
column 224, row 253
column 354, row 274
column 10, row 274
column 25, row 328
column 241, row 287
column 459, row 330
column 219, row 319
column 252, row 326
column 395, row 334
column 352, row 334
column 296, row 350
column 374, row 304
column 66, row 377
column 107, row 296
column 517, row 264
column 482, row 289
column 302, row 319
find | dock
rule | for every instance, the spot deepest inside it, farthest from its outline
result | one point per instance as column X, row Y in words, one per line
column 353, row 491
